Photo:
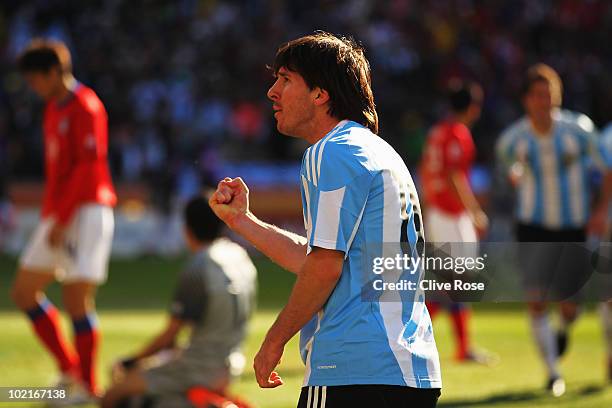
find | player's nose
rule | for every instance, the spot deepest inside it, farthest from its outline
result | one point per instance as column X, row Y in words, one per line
column 273, row 92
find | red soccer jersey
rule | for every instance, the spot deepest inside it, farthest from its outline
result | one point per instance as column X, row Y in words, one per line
column 449, row 148
column 76, row 162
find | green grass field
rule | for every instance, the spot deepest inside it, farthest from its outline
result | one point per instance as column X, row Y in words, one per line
column 131, row 309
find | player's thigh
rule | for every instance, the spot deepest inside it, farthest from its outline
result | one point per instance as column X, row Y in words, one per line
column 28, row 285
column 89, row 241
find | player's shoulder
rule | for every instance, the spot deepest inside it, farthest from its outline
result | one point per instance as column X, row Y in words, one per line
column 343, row 155
column 517, row 128
column 224, row 252
column 576, row 121
column 87, row 101
column 606, row 133
column 344, row 141
column 455, row 130
column 225, row 247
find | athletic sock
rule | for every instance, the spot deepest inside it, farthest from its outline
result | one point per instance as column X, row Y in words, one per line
column 45, row 320
column 546, row 342
column 460, row 316
column 86, row 338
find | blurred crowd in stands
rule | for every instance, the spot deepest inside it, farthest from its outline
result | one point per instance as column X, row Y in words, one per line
column 185, row 81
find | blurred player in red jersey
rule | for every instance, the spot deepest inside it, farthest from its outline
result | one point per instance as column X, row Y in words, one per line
column 452, row 212
column 72, row 242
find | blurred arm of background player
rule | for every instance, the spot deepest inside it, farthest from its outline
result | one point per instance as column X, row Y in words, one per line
column 597, row 222
column 230, row 202
column 166, row 339
column 462, row 187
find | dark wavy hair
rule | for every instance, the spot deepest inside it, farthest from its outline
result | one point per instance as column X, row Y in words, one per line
column 42, row 54
column 338, row 65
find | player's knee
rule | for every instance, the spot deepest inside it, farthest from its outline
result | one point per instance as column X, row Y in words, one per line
column 569, row 312
column 75, row 307
column 537, row 308
column 77, row 303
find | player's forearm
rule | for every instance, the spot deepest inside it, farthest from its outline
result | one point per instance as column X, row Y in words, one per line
column 161, row 342
column 283, row 247
column 464, row 192
column 313, row 287
column 164, row 340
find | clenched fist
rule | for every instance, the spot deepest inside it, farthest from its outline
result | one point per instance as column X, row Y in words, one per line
column 230, row 202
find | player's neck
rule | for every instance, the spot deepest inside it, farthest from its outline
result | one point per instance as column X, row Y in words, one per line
column 541, row 127
column 65, row 89
column 321, row 128
column 464, row 119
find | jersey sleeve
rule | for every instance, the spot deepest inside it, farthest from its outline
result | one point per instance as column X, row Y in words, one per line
column 190, row 297
column 86, row 147
column 336, row 198
column 595, row 145
column 505, row 147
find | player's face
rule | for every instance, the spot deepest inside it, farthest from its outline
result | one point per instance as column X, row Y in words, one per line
column 44, row 84
column 292, row 103
column 538, row 100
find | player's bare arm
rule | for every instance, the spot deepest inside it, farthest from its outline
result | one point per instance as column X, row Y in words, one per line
column 57, row 235
column 164, row 340
column 230, row 202
column 314, row 284
column 467, row 197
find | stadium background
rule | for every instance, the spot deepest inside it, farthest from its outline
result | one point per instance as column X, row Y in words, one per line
column 184, row 83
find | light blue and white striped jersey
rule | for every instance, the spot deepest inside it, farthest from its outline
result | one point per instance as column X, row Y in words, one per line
column 358, row 194
column 554, row 190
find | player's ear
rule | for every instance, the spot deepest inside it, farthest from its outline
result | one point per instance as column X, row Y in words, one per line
column 321, row 96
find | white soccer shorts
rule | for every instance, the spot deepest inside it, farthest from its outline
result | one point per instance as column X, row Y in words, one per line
column 443, row 228
column 86, row 250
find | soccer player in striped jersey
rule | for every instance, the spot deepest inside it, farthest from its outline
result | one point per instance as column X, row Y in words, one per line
column 549, row 153
column 72, row 242
column 356, row 195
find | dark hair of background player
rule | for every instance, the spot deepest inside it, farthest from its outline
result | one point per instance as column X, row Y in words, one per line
column 337, row 65
column 200, row 219
column 462, row 94
column 42, row 55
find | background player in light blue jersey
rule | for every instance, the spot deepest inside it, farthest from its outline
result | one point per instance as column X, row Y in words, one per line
column 357, row 194
column 549, row 154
